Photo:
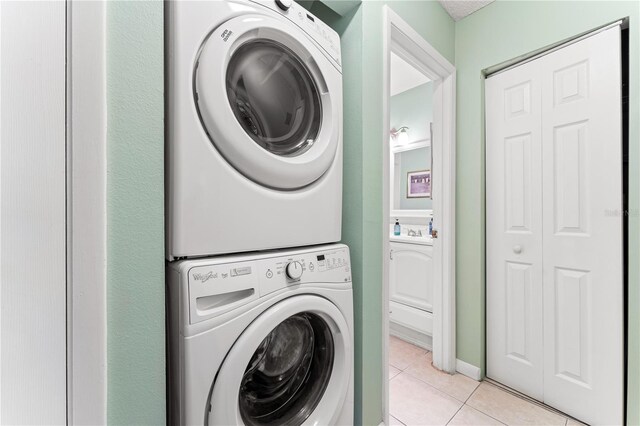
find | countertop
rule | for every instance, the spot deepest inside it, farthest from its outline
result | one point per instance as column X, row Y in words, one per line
column 425, row 240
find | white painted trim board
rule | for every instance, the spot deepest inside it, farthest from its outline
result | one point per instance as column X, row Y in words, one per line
column 86, row 206
column 33, row 212
column 468, row 370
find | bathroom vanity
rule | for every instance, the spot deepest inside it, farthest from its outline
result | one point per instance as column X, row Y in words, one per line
column 411, row 285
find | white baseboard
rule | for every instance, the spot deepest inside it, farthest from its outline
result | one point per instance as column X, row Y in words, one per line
column 468, row 370
column 408, row 335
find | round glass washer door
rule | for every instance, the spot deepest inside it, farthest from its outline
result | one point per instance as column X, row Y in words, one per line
column 267, row 98
column 291, row 366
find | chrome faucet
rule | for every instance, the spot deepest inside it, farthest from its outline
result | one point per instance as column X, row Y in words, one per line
column 412, row 233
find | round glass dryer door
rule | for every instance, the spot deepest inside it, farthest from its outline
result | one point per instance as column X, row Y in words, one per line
column 269, row 101
column 291, row 366
column 274, row 97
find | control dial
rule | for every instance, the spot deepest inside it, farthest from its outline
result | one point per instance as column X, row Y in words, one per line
column 294, row 270
column 284, row 4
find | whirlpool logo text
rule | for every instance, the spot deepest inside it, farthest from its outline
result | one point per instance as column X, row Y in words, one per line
column 204, row 277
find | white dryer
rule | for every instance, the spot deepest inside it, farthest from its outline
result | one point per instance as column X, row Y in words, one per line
column 254, row 127
column 262, row 340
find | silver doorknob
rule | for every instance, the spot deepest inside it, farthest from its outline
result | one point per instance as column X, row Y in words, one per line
column 517, row 249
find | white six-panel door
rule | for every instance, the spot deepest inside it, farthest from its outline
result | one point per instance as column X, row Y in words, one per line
column 514, row 229
column 554, row 229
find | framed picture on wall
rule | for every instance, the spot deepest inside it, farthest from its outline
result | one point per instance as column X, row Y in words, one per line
column 419, row 184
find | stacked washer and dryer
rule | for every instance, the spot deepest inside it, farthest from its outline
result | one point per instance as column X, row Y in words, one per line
column 259, row 295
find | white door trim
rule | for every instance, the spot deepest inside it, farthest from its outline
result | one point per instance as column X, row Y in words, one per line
column 33, row 285
column 401, row 38
column 86, row 217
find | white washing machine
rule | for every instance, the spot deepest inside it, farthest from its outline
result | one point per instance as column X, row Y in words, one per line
column 254, row 127
column 265, row 339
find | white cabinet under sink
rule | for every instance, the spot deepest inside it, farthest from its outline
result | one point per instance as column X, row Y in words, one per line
column 411, row 286
column 411, row 275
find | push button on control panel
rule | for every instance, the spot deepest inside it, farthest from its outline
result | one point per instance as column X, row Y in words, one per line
column 329, row 261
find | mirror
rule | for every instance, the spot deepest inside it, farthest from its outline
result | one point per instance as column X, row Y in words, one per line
column 412, row 180
column 411, row 114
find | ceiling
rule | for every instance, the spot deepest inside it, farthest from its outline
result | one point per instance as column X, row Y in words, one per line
column 404, row 76
column 458, row 9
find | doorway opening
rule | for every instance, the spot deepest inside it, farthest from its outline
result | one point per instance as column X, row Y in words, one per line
column 418, row 261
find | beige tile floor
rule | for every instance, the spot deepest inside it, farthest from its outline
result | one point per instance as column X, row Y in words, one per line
column 421, row 395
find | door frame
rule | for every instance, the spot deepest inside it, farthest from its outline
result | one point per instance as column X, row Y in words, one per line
column 86, row 213
column 399, row 36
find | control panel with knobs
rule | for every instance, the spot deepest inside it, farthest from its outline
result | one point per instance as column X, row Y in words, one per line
column 294, row 270
column 217, row 285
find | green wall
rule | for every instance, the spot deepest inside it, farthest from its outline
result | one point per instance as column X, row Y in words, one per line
column 499, row 32
column 135, row 214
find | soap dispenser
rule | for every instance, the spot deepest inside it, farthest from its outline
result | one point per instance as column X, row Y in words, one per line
column 396, row 228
